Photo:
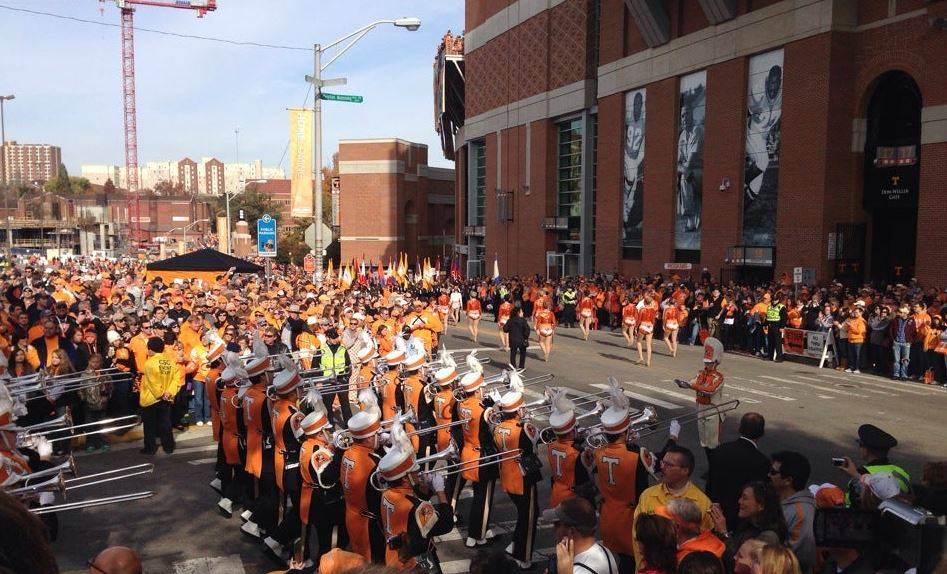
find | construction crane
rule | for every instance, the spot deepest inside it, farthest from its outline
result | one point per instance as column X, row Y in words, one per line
column 127, row 8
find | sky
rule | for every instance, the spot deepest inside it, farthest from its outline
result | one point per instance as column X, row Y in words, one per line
column 192, row 94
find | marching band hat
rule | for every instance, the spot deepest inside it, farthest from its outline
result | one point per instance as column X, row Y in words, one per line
column 713, row 350
column 615, row 420
column 366, row 354
column 216, row 351
column 257, row 366
column 394, row 357
column 397, row 462
column 365, row 424
column 471, row 381
column 562, row 422
column 315, row 422
column 445, row 375
column 511, row 401
column 870, row 436
column 414, row 363
column 285, row 381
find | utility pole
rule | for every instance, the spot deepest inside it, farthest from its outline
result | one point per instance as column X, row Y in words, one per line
column 3, row 175
column 317, row 158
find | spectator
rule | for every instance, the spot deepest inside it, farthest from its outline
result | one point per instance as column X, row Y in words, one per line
column 518, row 330
column 878, row 338
column 656, row 544
column 777, row 559
column 700, row 563
column 50, row 340
column 857, row 329
column 574, row 521
column 789, row 476
column 736, row 463
column 686, row 517
column 159, row 384
column 24, row 543
column 116, row 560
column 902, row 332
column 761, row 516
column 932, row 492
column 747, row 559
column 95, row 399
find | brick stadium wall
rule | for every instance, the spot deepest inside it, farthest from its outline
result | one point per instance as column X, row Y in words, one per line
column 660, row 174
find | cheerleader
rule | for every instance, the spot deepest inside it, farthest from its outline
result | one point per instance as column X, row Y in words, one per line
column 474, row 310
column 586, row 314
column 671, row 321
column 545, row 327
column 503, row 315
column 629, row 320
column 646, row 316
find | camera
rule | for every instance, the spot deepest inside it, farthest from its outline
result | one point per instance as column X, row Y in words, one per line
column 838, row 461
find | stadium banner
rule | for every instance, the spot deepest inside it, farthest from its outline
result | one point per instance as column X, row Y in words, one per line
column 300, row 162
column 690, row 161
column 633, row 169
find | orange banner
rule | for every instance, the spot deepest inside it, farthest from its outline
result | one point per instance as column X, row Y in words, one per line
column 300, row 162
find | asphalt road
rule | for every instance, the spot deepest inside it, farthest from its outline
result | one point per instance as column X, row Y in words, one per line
column 807, row 409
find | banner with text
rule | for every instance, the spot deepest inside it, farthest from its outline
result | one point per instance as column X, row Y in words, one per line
column 300, row 162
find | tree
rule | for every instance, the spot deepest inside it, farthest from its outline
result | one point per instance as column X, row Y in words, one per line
column 327, row 174
column 166, row 188
column 292, row 246
column 109, row 187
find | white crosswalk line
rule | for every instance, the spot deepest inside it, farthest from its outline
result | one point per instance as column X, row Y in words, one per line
column 205, row 448
column 668, row 392
column 730, row 396
column 809, row 385
column 218, row 565
column 864, row 388
column 643, row 398
column 761, row 393
column 200, row 461
column 913, row 391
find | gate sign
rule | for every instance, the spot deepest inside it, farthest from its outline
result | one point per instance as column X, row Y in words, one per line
column 811, row 344
column 266, row 236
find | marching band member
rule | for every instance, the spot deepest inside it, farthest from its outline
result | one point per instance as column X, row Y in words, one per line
column 283, row 407
column 477, row 442
column 545, row 327
column 519, row 475
column 504, row 312
column 210, row 371
column 321, row 505
column 361, row 498
column 256, row 415
column 564, row 454
column 417, row 400
column 442, row 404
column 646, row 316
column 708, row 386
column 408, row 519
column 621, row 477
column 233, row 446
column 365, row 357
column 474, row 311
column 629, row 321
column 392, row 398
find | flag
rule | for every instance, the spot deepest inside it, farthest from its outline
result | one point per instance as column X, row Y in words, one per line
column 496, row 270
column 329, row 271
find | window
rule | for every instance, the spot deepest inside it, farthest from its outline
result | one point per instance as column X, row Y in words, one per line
column 569, row 177
column 480, row 180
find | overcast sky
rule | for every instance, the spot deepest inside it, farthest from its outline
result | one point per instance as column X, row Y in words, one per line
column 191, row 94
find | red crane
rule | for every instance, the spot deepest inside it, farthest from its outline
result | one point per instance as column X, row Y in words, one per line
column 127, row 8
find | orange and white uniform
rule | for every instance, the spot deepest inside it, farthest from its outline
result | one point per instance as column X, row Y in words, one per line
column 503, row 314
column 629, row 316
column 566, row 469
column 362, row 501
column 709, row 388
column 587, row 307
column 646, row 316
column 670, row 319
column 411, row 521
column 545, row 322
column 474, row 309
column 621, row 478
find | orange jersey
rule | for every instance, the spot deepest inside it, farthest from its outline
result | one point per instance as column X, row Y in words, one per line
column 629, row 315
column 443, row 407
column 476, row 432
column 229, row 429
column 707, row 384
column 389, row 395
column 281, row 410
column 257, row 418
column 586, row 307
column 361, row 498
column 403, row 513
column 509, row 435
column 474, row 309
column 567, row 470
column 503, row 315
column 621, row 478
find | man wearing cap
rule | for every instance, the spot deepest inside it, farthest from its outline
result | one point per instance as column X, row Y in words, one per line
column 708, row 386
column 874, row 445
column 565, row 453
column 295, row 325
column 574, row 522
column 362, row 499
column 321, row 505
column 776, row 316
column 519, row 475
column 475, row 410
column 335, row 362
column 283, row 407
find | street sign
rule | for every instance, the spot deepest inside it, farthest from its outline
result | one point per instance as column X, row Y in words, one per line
column 309, row 263
column 266, row 236
column 326, row 81
column 341, row 98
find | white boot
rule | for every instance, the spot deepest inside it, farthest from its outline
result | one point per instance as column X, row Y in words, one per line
column 246, row 515
column 225, row 506
column 216, row 485
column 251, row 529
column 275, row 547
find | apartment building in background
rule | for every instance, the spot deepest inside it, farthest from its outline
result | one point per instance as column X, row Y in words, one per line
column 26, row 163
column 208, row 176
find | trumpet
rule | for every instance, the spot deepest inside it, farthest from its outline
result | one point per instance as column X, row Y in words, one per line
column 486, row 460
column 548, row 435
column 597, row 438
column 700, row 414
column 91, row 503
column 450, row 452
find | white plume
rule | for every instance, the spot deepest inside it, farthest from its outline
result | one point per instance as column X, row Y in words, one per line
column 561, row 401
column 473, row 363
column 446, row 358
column 259, row 348
column 399, row 437
column 516, row 381
column 619, row 401
column 231, row 358
column 368, row 399
column 286, row 363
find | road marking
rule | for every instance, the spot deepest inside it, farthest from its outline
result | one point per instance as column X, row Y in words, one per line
column 860, row 388
column 459, row 566
column 761, row 393
column 913, row 391
column 219, row 565
column 727, row 395
column 643, row 398
column 199, row 461
column 668, row 392
column 816, row 387
column 190, row 449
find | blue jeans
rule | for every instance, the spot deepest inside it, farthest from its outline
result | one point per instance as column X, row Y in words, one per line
column 902, row 358
column 854, row 356
column 200, row 406
column 695, row 331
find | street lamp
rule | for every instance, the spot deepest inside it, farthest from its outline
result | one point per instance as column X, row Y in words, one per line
column 3, row 173
column 227, row 196
column 186, row 227
column 409, row 23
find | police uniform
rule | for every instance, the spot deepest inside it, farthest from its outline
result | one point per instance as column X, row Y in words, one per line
column 872, row 437
column 708, row 384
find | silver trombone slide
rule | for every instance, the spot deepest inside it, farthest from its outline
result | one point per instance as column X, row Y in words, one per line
column 85, row 425
column 99, row 431
column 127, row 472
column 65, row 420
column 709, row 411
column 529, row 381
column 30, row 379
column 91, row 503
column 580, row 401
column 436, row 428
column 65, row 379
column 488, row 460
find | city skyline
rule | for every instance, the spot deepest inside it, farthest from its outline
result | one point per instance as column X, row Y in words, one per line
column 193, row 92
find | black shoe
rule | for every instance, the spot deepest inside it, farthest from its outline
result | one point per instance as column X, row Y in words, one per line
column 168, row 450
column 147, row 451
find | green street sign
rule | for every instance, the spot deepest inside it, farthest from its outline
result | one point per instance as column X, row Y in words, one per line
column 341, row 98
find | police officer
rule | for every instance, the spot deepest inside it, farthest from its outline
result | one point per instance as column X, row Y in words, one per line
column 776, row 316
column 874, row 445
column 334, row 361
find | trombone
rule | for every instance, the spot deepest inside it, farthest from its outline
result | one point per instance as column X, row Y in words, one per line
column 548, row 435
column 123, row 426
column 68, row 466
column 460, row 395
column 342, row 439
column 528, row 382
column 62, row 485
column 700, row 414
column 544, row 408
column 597, row 438
column 486, row 460
column 17, row 382
column 91, row 503
column 63, row 421
column 435, row 428
column 379, row 483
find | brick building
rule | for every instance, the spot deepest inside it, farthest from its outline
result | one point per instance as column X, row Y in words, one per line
column 745, row 136
column 391, row 201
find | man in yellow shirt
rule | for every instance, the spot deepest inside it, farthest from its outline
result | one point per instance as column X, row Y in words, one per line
column 677, row 466
column 160, row 381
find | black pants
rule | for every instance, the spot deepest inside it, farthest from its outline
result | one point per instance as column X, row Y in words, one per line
column 265, row 507
column 329, row 397
column 156, row 420
column 180, row 407
column 527, row 512
column 328, row 519
column 290, row 526
column 521, row 350
column 478, row 519
column 775, row 337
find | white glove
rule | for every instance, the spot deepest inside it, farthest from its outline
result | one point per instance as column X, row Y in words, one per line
column 675, row 429
column 495, row 396
column 385, row 437
column 44, row 448
column 437, row 482
column 46, row 498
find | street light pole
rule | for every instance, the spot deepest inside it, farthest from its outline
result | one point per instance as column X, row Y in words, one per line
column 408, row 23
column 186, row 227
column 3, row 174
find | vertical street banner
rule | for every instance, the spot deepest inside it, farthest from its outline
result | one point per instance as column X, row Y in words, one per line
column 764, row 103
column 300, row 161
column 690, row 161
column 633, row 169
column 266, row 236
